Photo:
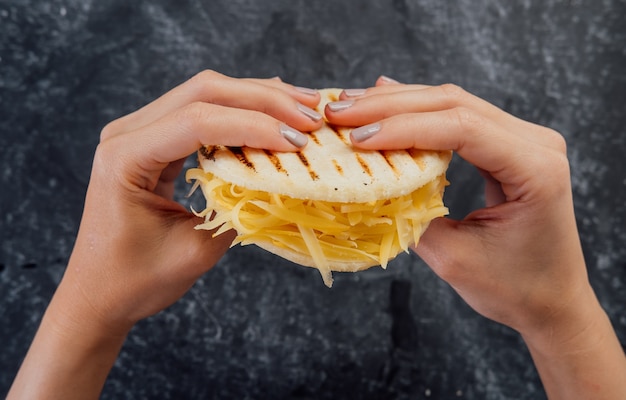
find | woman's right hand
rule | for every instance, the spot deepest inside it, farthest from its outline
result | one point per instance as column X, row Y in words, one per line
column 137, row 251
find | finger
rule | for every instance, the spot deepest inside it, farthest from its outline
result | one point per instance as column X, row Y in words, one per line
column 146, row 152
column 493, row 190
column 307, row 96
column 443, row 242
column 383, row 102
column 349, row 94
column 401, row 99
column 201, row 251
column 384, row 80
column 211, row 87
column 478, row 140
column 166, row 184
column 433, row 244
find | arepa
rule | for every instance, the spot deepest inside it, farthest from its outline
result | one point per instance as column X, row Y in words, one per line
column 330, row 206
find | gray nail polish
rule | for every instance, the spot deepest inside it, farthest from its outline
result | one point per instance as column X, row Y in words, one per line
column 340, row 105
column 294, row 137
column 365, row 132
column 354, row 92
column 309, row 112
column 387, row 79
column 307, row 91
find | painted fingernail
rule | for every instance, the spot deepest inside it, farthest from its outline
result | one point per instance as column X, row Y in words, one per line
column 365, row 132
column 340, row 105
column 307, row 91
column 387, row 79
column 309, row 112
column 354, row 92
column 293, row 136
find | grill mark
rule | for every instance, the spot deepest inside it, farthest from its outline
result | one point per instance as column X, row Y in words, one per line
column 364, row 164
column 338, row 167
column 415, row 156
column 387, row 157
column 275, row 162
column 337, row 132
column 208, row 152
column 314, row 138
column 306, row 163
column 241, row 156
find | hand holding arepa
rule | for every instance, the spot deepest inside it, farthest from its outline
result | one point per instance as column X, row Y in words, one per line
column 137, row 251
column 518, row 260
column 129, row 200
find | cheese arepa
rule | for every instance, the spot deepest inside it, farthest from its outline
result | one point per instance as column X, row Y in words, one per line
column 330, row 205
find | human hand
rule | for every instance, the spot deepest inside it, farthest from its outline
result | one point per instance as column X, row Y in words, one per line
column 137, row 251
column 505, row 258
column 518, row 260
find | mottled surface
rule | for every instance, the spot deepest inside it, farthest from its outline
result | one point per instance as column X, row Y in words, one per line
column 256, row 326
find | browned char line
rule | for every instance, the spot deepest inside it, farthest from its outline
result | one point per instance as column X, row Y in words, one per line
column 387, row 157
column 337, row 132
column 241, row 156
column 417, row 159
column 338, row 167
column 306, row 163
column 208, row 152
column 314, row 138
column 275, row 161
column 364, row 164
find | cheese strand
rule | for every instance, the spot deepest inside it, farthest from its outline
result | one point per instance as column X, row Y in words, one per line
column 325, row 231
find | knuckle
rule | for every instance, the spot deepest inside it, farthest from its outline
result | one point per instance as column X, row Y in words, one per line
column 106, row 155
column 556, row 140
column 110, row 130
column 206, row 80
column 193, row 115
column 557, row 175
column 454, row 93
column 554, row 157
column 207, row 75
column 467, row 120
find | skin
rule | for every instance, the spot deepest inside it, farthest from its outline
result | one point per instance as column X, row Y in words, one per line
column 517, row 261
column 136, row 251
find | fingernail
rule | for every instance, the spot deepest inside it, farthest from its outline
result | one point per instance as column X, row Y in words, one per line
column 307, row 91
column 387, row 79
column 309, row 112
column 365, row 132
column 354, row 92
column 293, row 136
column 340, row 105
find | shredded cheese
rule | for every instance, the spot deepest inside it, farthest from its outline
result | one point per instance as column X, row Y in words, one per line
column 325, row 231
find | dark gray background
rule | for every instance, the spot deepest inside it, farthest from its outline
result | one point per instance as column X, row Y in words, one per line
column 257, row 326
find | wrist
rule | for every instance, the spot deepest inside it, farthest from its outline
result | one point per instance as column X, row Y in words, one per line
column 578, row 355
column 71, row 315
column 76, row 350
column 577, row 327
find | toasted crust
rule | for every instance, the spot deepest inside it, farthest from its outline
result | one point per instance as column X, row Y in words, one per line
column 328, row 168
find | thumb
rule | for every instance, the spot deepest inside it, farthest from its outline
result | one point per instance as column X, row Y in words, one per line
column 200, row 250
column 448, row 247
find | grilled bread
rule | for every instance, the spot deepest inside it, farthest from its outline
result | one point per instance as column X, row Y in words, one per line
column 329, row 206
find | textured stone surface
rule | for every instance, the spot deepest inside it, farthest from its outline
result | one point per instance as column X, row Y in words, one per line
column 256, row 326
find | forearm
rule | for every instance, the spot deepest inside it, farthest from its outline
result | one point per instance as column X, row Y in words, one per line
column 587, row 363
column 66, row 360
